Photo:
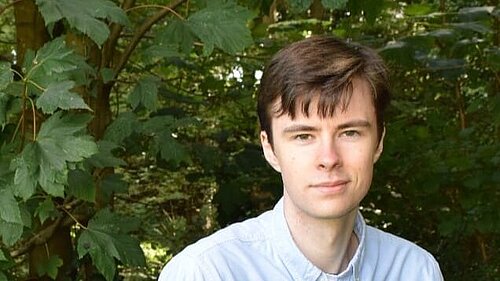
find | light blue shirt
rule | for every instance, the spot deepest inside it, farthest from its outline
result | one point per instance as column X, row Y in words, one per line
column 262, row 248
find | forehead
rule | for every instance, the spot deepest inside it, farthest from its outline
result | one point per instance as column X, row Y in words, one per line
column 357, row 97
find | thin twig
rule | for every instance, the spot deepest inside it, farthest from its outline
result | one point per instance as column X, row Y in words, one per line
column 74, row 219
column 33, row 110
column 156, row 6
column 141, row 31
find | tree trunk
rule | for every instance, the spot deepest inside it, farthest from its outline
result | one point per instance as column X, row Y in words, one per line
column 32, row 34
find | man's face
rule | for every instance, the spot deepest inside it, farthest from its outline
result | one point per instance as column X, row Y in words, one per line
column 326, row 163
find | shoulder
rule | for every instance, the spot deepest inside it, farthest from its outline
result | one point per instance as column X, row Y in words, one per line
column 396, row 256
column 241, row 233
column 213, row 254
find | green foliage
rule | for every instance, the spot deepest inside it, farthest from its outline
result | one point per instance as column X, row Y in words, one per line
column 50, row 267
column 105, row 239
column 58, row 95
column 87, row 17
column 145, row 93
column 149, row 110
column 334, row 4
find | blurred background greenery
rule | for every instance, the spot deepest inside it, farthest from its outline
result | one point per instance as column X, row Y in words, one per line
column 181, row 125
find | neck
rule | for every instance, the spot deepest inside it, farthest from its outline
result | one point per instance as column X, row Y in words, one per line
column 328, row 243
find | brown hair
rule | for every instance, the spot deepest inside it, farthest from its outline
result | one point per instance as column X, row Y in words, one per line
column 321, row 66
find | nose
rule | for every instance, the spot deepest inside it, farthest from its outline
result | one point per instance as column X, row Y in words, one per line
column 328, row 155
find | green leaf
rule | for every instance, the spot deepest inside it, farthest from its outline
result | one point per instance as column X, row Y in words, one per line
column 6, row 75
column 58, row 95
column 161, row 51
column 299, row 6
column 476, row 13
column 145, row 93
column 58, row 144
column 105, row 158
column 493, row 58
column 418, row 9
column 9, row 208
column 107, row 74
column 45, row 210
column 104, row 240
column 157, row 124
column 122, row 127
column 473, row 26
column 26, row 171
column 113, row 184
column 109, row 221
column 49, row 267
column 10, row 232
column 170, row 149
column 101, row 249
column 81, row 185
column 222, row 25
column 372, row 8
column 4, row 108
column 52, row 180
column 2, row 256
column 86, row 16
column 54, row 62
column 177, row 33
column 334, row 4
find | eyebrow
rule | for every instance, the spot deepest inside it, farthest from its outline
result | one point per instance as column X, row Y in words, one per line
column 299, row 128
column 308, row 128
column 355, row 123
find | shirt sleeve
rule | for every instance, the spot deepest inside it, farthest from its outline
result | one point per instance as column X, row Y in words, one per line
column 183, row 268
column 433, row 271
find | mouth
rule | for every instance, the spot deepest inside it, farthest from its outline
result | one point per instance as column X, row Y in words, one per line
column 331, row 187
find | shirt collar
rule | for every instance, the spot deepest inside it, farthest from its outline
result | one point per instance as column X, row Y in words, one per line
column 297, row 264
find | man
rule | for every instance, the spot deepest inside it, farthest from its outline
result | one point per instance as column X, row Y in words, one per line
column 320, row 107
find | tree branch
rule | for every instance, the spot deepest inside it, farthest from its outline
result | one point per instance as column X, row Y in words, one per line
column 6, row 6
column 109, row 47
column 141, row 31
column 46, row 233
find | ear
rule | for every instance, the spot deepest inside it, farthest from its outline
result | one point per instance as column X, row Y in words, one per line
column 380, row 147
column 269, row 151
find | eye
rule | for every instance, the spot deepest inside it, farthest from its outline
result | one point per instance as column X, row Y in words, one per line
column 303, row 137
column 351, row 133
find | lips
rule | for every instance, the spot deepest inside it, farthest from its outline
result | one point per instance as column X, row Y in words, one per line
column 336, row 186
